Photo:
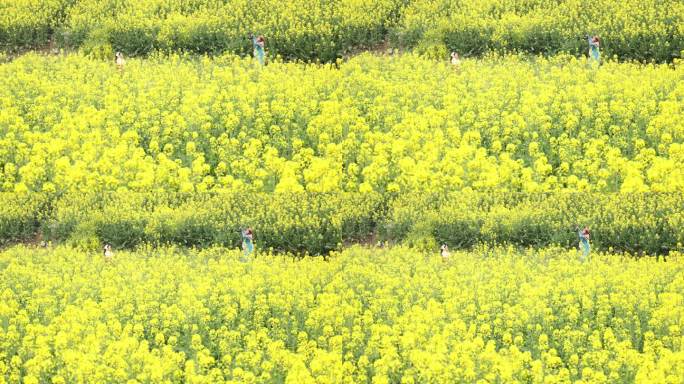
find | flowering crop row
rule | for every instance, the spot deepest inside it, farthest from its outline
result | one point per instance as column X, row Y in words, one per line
column 320, row 223
column 643, row 30
column 21, row 216
column 298, row 29
column 632, row 223
column 493, row 315
column 29, row 23
column 375, row 124
column 327, row 29
column 299, row 222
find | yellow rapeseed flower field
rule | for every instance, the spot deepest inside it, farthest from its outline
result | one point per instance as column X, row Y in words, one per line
column 389, row 125
column 169, row 156
column 185, row 150
column 493, row 315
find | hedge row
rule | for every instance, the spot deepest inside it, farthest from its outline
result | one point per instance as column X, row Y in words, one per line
column 327, row 29
column 319, row 223
column 651, row 223
column 20, row 216
column 313, row 223
column 30, row 23
column 629, row 29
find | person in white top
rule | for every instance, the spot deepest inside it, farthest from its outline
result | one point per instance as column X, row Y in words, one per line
column 444, row 252
column 108, row 252
column 119, row 61
column 455, row 61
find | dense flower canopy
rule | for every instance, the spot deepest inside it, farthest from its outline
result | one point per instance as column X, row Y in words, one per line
column 375, row 124
column 497, row 315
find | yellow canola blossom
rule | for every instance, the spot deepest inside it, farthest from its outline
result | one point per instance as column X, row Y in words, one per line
column 389, row 125
column 489, row 315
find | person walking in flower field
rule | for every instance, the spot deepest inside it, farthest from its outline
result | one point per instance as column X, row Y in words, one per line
column 594, row 52
column 444, row 252
column 259, row 44
column 107, row 251
column 120, row 62
column 455, row 61
column 584, row 241
column 247, row 241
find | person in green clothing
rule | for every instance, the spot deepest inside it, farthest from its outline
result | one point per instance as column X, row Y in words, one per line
column 584, row 242
column 594, row 52
column 259, row 43
column 248, row 241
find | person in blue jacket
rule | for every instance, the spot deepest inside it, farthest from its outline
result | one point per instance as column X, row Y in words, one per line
column 259, row 43
column 584, row 242
column 247, row 241
column 594, row 52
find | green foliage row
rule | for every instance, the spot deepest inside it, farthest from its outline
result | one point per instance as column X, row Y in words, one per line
column 644, row 30
column 328, row 29
column 289, row 222
column 301, row 29
column 318, row 223
column 20, row 216
column 30, row 23
column 635, row 223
